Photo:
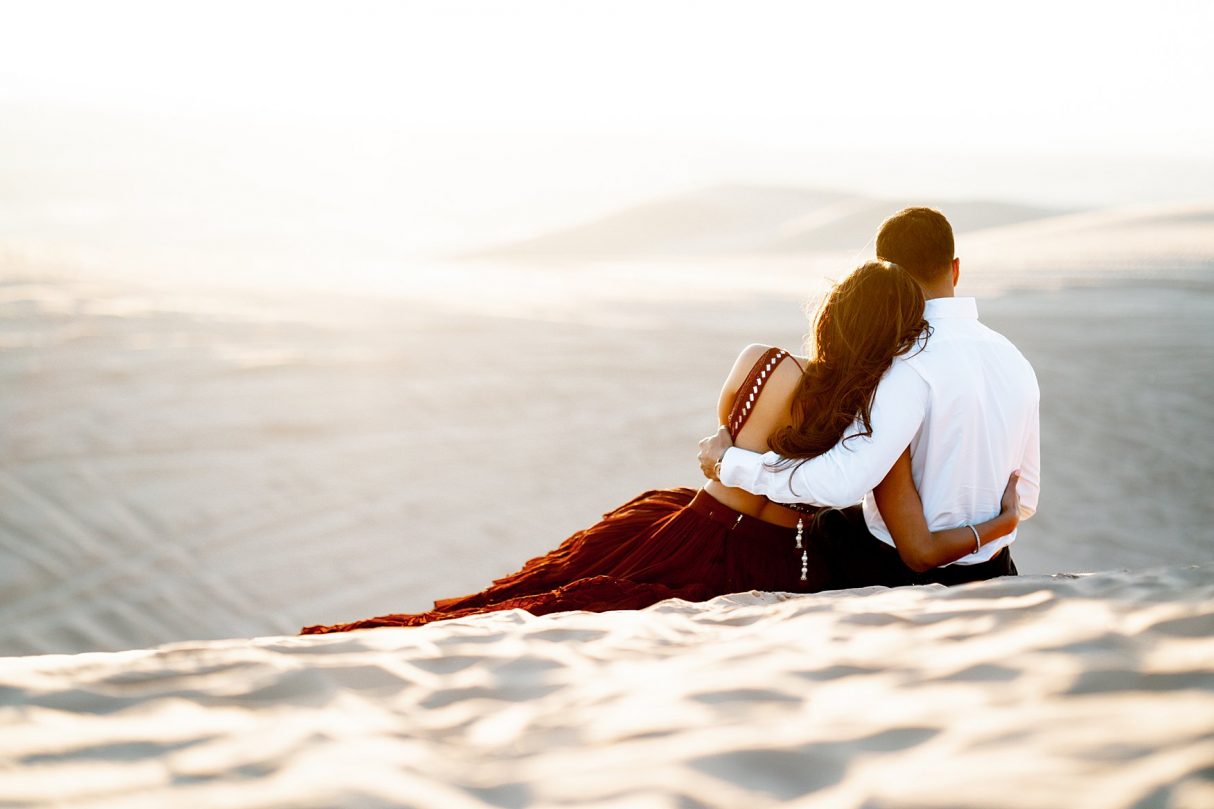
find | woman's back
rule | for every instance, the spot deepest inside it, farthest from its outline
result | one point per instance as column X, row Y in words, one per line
column 763, row 411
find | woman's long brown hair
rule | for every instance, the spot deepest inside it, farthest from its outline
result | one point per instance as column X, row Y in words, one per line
column 870, row 317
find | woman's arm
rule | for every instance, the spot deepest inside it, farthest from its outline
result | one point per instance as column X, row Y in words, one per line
column 920, row 549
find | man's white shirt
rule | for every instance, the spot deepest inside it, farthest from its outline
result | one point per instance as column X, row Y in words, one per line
column 966, row 404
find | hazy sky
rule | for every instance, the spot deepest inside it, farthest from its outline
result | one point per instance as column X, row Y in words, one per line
column 515, row 115
column 1122, row 78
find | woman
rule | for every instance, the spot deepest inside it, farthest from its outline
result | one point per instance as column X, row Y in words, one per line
column 696, row 545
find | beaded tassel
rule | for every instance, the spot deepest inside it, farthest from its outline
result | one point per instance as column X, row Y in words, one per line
column 804, row 553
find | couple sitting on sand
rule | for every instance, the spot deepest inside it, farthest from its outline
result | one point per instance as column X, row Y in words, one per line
column 907, row 403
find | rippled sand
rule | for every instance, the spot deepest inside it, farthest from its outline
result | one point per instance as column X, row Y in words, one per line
column 1038, row 691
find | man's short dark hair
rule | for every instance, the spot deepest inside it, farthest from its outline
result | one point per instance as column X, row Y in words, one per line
column 918, row 239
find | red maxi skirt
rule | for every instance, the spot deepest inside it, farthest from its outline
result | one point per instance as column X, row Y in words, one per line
column 664, row 543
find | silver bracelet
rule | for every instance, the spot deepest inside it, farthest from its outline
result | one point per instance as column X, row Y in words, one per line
column 977, row 539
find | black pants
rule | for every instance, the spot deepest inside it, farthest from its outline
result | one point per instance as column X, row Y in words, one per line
column 839, row 541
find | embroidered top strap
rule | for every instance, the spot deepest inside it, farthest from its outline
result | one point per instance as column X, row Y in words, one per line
column 744, row 400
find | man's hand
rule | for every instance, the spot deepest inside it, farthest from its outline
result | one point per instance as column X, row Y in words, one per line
column 712, row 449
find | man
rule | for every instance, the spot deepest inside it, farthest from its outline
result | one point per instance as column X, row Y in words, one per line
column 966, row 405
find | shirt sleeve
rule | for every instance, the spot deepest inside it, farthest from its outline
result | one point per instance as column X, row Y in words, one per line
column 1029, row 486
column 843, row 475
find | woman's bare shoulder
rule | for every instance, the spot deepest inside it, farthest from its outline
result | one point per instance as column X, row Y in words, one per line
column 737, row 375
column 787, row 375
column 746, row 360
column 751, row 354
column 770, row 410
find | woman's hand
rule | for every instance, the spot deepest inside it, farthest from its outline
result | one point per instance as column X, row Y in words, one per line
column 712, row 450
column 1010, row 504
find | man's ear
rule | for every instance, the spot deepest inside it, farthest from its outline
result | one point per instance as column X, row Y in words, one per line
column 956, row 271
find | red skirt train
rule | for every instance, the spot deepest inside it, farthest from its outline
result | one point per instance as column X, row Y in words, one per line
column 664, row 543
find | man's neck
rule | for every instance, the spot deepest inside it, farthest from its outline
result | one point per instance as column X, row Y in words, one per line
column 944, row 284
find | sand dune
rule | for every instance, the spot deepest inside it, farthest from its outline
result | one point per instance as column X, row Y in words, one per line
column 746, row 219
column 1086, row 691
column 1002, row 245
column 1135, row 242
column 852, row 226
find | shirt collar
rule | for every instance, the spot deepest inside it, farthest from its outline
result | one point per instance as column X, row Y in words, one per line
column 937, row 308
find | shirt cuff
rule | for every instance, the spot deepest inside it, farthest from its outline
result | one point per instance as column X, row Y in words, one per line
column 737, row 467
